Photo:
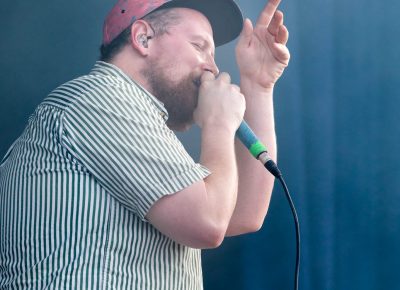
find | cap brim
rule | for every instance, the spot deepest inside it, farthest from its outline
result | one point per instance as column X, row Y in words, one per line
column 224, row 15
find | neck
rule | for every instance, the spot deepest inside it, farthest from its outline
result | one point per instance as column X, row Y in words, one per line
column 132, row 66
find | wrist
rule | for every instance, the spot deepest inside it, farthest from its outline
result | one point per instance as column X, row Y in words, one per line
column 249, row 84
column 219, row 129
column 217, row 147
column 255, row 93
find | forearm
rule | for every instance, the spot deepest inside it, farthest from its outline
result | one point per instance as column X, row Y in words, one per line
column 218, row 154
column 255, row 183
column 198, row 215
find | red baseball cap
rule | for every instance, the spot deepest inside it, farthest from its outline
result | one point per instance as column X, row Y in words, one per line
column 224, row 15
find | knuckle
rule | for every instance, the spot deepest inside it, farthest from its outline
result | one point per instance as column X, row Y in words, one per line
column 236, row 87
column 242, row 98
column 225, row 76
column 233, row 90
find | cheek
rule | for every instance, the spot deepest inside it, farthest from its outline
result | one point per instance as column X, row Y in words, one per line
column 180, row 62
column 187, row 56
column 179, row 69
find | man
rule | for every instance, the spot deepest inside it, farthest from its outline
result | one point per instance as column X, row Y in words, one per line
column 98, row 193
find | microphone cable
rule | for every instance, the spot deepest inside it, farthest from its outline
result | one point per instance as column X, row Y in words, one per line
column 260, row 152
column 297, row 228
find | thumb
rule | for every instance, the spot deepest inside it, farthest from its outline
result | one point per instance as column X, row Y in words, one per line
column 246, row 34
column 207, row 76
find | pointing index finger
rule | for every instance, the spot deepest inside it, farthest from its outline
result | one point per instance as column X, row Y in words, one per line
column 268, row 12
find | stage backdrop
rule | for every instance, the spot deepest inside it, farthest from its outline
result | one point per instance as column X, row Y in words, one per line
column 337, row 115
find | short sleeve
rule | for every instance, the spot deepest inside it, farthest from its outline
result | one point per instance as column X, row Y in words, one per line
column 123, row 141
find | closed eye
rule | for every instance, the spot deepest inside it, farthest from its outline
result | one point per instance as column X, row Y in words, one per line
column 202, row 46
column 197, row 46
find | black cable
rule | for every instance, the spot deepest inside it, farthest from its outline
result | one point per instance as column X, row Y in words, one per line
column 271, row 166
column 297, row 227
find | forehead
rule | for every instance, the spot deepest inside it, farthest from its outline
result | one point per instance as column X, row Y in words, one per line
column 194, row 24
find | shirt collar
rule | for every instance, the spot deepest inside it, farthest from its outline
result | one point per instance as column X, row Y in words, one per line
column 107, row 69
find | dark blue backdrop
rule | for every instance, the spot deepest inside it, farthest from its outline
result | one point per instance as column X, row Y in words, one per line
column 337, row 124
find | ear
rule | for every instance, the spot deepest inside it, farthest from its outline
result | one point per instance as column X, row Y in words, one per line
column 141, row 33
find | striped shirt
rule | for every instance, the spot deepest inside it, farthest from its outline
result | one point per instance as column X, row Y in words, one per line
column 76, row 186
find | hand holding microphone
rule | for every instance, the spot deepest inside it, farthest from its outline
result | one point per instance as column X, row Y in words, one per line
column 220, row 103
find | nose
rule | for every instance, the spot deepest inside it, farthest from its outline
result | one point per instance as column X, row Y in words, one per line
column 211, row 66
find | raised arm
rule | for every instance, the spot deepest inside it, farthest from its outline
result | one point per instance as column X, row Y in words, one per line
column 262, row 56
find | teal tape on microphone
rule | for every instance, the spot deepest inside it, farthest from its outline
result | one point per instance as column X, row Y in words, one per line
column 250, row 140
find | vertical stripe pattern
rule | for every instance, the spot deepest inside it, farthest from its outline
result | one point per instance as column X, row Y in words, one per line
column 76, row 186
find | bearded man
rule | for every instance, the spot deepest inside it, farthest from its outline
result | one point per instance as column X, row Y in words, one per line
column 98, row 192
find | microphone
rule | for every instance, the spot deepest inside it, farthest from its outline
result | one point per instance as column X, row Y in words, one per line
column 256, row 148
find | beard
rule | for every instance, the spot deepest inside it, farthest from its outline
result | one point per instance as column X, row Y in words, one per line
column 179, row 97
